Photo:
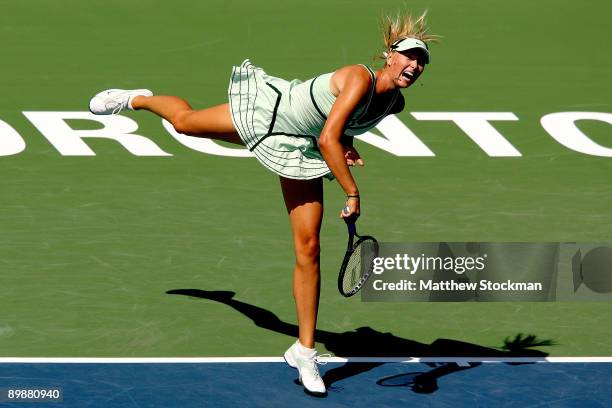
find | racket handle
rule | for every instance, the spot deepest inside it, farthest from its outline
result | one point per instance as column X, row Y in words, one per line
column 351, row 228
column 346, row 210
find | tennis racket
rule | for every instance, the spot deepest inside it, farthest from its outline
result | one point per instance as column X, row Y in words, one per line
column 354, row 272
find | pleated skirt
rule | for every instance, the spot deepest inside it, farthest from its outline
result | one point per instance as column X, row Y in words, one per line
column 261, row 112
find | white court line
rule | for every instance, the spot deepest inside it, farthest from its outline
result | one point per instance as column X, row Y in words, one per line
column 209, row 360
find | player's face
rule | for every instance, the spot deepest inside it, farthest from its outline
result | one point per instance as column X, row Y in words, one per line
column 406, row 67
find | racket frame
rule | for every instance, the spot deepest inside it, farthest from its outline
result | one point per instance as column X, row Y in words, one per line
column 350, row 249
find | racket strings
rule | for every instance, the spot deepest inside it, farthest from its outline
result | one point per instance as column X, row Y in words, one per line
column 352, row 274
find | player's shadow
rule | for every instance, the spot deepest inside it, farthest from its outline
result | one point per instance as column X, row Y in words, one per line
column 365, row 341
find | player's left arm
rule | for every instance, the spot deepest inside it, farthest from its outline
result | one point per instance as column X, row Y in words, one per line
column 351, row 154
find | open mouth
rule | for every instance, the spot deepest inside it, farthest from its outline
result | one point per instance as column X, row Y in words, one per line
column 408, row 75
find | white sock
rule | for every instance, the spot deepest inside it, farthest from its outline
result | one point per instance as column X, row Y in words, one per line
column 305, row 351
column 129, row 104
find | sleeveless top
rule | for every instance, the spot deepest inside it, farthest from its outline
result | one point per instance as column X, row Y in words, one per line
column 281, row 121
column 312, row 100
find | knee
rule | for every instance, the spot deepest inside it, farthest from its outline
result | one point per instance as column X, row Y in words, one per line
column 180, row 123
column 307, row 249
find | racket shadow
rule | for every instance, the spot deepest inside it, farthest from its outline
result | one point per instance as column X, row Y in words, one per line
column 365, row 341
column 424, row 382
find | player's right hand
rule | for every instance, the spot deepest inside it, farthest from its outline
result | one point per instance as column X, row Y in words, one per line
column 351, row 210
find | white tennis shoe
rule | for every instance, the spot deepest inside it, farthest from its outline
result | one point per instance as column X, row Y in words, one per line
column 113, row 101
column 307, row 369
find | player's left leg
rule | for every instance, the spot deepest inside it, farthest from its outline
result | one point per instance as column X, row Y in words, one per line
column 304, row 201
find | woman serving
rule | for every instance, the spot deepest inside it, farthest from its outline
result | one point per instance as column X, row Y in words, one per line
column 303, row 132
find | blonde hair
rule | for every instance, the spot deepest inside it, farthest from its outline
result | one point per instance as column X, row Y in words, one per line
column 405, row 25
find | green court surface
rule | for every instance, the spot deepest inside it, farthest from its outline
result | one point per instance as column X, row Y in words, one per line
column 89, row 246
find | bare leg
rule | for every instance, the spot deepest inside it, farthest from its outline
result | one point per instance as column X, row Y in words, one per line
column 212, row 123
column 304, row 201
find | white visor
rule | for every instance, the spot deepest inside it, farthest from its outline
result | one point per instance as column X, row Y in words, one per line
column 410, row 43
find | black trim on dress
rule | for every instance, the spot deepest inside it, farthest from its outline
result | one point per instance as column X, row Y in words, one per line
column 312, row 98
column 273, row 121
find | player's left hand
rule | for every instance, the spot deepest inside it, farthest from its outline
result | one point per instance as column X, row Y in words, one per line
column 352, row 156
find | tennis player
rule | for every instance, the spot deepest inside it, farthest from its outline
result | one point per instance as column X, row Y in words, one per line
column 303, row 132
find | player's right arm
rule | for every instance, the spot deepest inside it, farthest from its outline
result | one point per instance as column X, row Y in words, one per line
column 351, row 84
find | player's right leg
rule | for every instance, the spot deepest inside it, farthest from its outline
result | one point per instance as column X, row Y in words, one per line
column 212, row 123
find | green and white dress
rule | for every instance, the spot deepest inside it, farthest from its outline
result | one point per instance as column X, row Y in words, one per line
column 280, row 121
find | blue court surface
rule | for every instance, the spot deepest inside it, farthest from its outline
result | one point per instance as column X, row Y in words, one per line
column 272, row 384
